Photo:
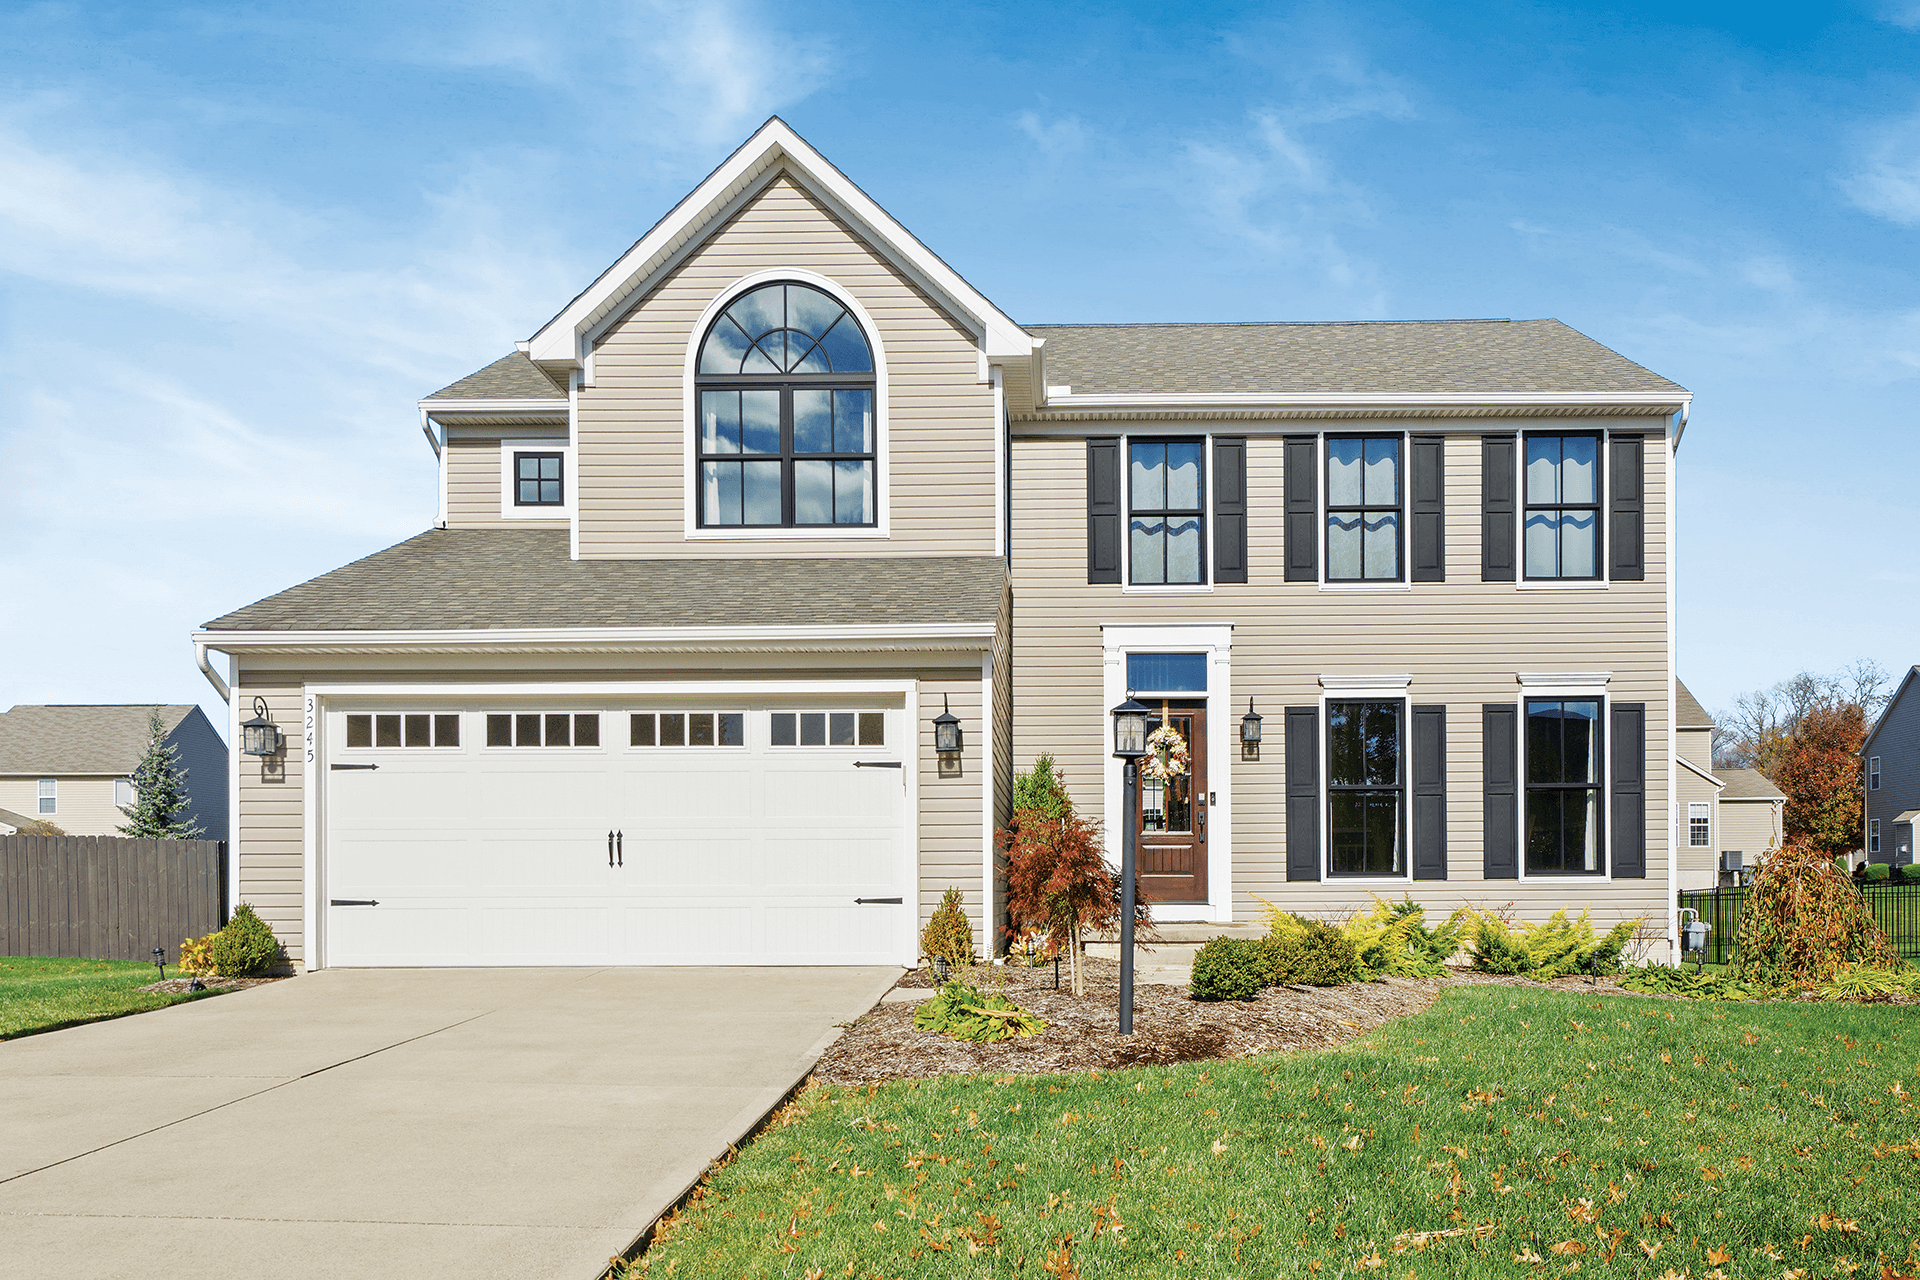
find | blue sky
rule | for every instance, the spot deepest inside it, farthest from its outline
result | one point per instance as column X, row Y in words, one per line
column 237, row 244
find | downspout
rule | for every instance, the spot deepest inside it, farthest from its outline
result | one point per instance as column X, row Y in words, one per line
column 206, row 669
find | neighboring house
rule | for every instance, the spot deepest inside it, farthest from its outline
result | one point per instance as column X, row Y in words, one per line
column 11, row 822
column 1891, row 755
column 73, row 765
column 1727, row 819
column 720, row 543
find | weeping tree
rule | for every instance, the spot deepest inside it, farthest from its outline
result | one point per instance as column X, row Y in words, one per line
column 1804, row 918
column 160, row 800
column 1059, row 881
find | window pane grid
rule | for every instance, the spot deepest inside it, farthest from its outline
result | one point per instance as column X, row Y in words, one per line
column 407, row 729
column 538, row 480
column 827, row 728
column 687, row 729
column 1166, row 483
column 1561, row 538
column 536, row 729
column 1365, row 786
column 1363, row 509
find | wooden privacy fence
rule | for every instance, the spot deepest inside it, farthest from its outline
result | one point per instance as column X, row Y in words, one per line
column 108, row 898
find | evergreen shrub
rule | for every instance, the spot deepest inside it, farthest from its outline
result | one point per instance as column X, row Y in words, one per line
column 949, row 934
column 246, row 947
column 1229, row 969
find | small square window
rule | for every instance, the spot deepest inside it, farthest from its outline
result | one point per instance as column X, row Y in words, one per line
column 840, row 728
column 873, row 728
column 673, row 730
column 359, row 731
column 446, row 731
column 386, row 731
column 419, row 731
column 526, row 731
column 499, row 731
column 733, row 729
column 586, row 731
column 640, row 730
column 537, row 480
column 557, row 734
column 813, row 729
column 784, row 733
column 700, row 730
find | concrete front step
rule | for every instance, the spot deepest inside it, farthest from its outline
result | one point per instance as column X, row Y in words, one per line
column 1177, row 942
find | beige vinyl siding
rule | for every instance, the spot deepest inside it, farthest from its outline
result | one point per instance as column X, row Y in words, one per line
column 1462, row 641
column 269, row 827
column 938, row 469
column 1695, row 745
column 1753, row 828
column 85, row 803
column 473, row 484
column 1699, row 867
column 950, row 807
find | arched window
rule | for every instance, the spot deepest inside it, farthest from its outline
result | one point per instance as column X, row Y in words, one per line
column 786, row 433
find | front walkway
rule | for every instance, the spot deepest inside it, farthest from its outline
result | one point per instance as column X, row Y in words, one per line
column 469, row 1123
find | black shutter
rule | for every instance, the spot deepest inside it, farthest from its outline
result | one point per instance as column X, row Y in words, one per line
column 1303, row 793
column 1230, row 509
column 1626, row 531
column 1302, row 477
column 1428, row 509
column 1629, row 810
column 1496, row 508
column 1500, row 790
column 1103, row 509
column 1429, row 789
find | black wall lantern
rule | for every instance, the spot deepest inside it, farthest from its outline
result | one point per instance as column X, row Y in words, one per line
column 1250, row 733
column 946, row 730
column 259, row 736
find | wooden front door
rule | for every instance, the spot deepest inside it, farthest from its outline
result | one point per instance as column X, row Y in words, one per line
column 1172, row 816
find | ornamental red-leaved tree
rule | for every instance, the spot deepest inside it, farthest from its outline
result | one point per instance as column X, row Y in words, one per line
column 1819, row 769
column 1058, row 880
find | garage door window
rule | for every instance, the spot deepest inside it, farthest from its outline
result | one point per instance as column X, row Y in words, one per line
column 829, row 728
column 408, row 728
column 543, row 729
column 687, row 729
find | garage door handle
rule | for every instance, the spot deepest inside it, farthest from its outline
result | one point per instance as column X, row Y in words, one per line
column 876, row 764
column 353, row 766
column 620, row 845
column 609, row 848
column 353, row 902
column 892, row 902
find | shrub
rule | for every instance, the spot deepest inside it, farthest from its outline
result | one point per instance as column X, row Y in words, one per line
column 1042, row 791
column 245, row 948
column 949, row 934
column 196, row 956
column 1877, row 871
column 1692, row 982
column 40, row 827
column 1803, row 920
column 1229, row 969
column 1315, row 955
column 966, row 1013
column 1552, row 949
column 1059, row 882
column 1910, row 872
column 1394, row 938
column 1868, row 982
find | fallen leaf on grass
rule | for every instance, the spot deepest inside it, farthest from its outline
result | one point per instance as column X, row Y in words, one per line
column 1717, row 1255
column 1527, row 1257
column 1569, row 1246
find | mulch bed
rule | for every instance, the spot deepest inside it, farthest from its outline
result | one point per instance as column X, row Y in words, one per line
column 178, row 986
column 1084, row 1034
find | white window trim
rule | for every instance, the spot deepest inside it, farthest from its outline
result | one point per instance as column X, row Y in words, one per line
column 1366, row 689
column 1320, row 513
column 690, row 445
column 569, row 479
column 1705, row 808
column 1873, row 835
column 132, row 795
column 1117, row 640
column 1604, row 463
column 47, row 789
column 1543, row 687
column 1128, row 586
column 1873, row 773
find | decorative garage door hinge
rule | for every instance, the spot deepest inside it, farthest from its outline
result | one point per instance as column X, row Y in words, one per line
column 893, row 902
column 353, row 902
column 353, row 766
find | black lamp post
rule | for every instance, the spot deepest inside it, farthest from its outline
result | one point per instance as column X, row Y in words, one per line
column 1129, row 744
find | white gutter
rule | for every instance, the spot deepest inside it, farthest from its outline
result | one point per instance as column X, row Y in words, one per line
column 556, row 406
column 426, row 426
column 206, row 669
column 1681, row 429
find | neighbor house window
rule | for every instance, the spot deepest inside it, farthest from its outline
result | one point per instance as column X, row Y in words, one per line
column 1562, row 484
column 1363, row 509
column 1873, row 835
column 49, row 795
column 1364, row 789
column 1873, row 774
column 538, row 480
column 787, row 435
column 1563, row 787
column 1166, row 523
column 122, row 793
column 1699, row 824
column 828, row 728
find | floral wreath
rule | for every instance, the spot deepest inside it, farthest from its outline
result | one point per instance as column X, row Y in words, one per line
column 1166, row 755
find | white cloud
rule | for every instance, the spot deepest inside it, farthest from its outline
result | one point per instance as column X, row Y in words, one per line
column 1056, row 139
column 1888, row 185
column 1906, row 16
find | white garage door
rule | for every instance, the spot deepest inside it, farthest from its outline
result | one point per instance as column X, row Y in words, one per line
column 546, row 835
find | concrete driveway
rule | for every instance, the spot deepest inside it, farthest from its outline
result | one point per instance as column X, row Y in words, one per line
column 413, row 1123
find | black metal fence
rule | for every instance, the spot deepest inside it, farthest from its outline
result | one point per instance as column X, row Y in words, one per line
column 1895, row 906
column 108, row 898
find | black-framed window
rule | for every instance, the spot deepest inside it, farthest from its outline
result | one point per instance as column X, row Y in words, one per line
column 539, row 479
column 788, row 436
column 1366, row 786
column 1561, row 484
column 1564, row 781
column 1167, row 519
column 1364, row 525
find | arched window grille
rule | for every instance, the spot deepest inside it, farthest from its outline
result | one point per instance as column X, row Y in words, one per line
column 787, row 430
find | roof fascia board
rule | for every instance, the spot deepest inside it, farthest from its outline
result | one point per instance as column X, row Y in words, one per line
column 774, row 144
column 1364, row 400
column 1717, row 784
column 556, row 405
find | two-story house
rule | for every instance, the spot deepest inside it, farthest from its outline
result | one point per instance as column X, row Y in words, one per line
column 1729, row 819
column 1891, row 758
column 71, row 766
column 780, row 499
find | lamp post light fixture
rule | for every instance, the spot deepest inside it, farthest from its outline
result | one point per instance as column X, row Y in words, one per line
column 1250, row 733
column 1129, row 745
column 160, row 962
column 947, row 736
column 260, row 736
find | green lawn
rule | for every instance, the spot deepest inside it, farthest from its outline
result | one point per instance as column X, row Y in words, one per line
column 1505, row 1132
column 41, row 993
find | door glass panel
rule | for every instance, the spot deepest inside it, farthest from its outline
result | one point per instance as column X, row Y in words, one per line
column 733, row 729
column 813, row 729
column 359, row 731
column 783, row 726
column 640, row 730
column 419, row 731
column 558, row 734
column 586, row 731
column 446, row 731
column 673, row 730
column 386, row 731
column 700, row 730
column 873, row 731
column 499, row 731
column 840, row 729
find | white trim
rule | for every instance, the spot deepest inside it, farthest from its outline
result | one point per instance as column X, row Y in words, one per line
column 1062, row 399
column 1170, row 589
column 573, row 444
column 1551, row 692
column 569, row 477
column 1564, row 681
column 1392, row 685
column 1673, row 680
column 313, row 941
column 1688, row 764
column 1001, row 487
column 434, row 408
column 987, row 777
column 1117, row 640
column 690, row 442
column 234, row 844
column 774, row 147
column 1569, row 584
column 1381, row 692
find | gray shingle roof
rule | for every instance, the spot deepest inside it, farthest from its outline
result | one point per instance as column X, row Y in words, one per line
column 1408, row 356
column 1687, row 711
column 54, row 740
column 459, row 579
column 1747, row 784
column 8, row 818
column 511, row 377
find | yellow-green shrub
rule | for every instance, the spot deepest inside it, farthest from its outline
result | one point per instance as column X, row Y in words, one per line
column 1394, row 938
column 1552, row 949
column 949, row 934
column 196, row 956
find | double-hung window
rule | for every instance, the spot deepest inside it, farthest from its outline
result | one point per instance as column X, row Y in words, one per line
column 1363, row 509
column 1564, row 779
column 539, row 480
column 1873, row 835
column 49, row 795
column 1166, row 526
column 787, row 436
column 1699, row 824
column 1873, row 773
column 1365, row 789
column 1562, row 521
